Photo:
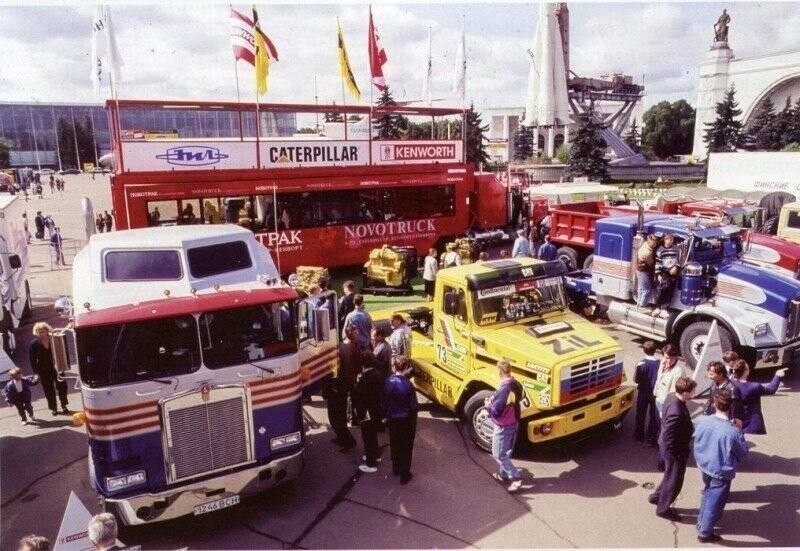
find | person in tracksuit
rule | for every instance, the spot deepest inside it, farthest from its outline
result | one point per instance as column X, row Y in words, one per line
column 647, row 421
column 400, row 408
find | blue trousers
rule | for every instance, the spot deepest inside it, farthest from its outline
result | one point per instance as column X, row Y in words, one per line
column 502, row 447
column 646, row 416
column 644, row 288
column 715, row 496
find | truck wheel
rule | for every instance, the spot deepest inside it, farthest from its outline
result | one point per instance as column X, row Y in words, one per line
column 693, row 340
column 568, row 256
column 587, row 264
column 477, row 422
column 26, row 311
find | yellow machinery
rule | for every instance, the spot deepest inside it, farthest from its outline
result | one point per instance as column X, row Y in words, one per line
column 308, row 276
column 390, row 270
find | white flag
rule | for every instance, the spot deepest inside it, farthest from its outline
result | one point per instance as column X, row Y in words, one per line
column 106, row 62
column 459, row 85
column 426, row 83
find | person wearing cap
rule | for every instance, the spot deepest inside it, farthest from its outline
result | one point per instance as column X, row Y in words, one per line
column 18, row 393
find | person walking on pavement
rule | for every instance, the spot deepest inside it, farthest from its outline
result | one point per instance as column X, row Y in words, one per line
column 750, row 394
column 522, row 247
column 39, row 223
column 109, row 221
column 548, row 251
column 361, row 320
column 52, row 184
column 41, row 359
column 18, row 393
column 26, row 228
column 367, row 395
column 400, row 410
column 504, row 409
column 58, row 247
column 647, row 423
column 721, row 383
column 719, row 446
column 674, row 442
column 346, row 302
column 100, row 223
column 430, row 268
column 339, row 389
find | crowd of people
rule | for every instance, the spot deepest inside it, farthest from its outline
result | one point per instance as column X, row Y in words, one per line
column 102, row 532
column 716, row 437
column 104, row 222
column 46, row 224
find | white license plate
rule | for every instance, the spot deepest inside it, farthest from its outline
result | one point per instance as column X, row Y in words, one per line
column 216, row 505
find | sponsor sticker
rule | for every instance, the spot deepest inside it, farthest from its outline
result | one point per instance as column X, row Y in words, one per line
column 496, row 291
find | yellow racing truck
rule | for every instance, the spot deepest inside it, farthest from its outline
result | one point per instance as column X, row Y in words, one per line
column 571, row 370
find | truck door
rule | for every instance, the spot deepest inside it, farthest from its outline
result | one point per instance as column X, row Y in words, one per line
column 451, row 340
column 319, row 341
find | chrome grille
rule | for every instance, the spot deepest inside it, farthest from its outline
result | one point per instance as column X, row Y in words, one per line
column 208, row 436
column 793, row 320
column 590, row 377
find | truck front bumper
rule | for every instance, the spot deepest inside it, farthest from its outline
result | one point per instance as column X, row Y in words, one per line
column 541, row 429
column 777, row 356
column 180, row 501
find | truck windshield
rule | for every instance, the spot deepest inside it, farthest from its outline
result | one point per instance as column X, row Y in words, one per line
column 243, row 335
column 712, row 250
column 518, row 301
column 128, row 352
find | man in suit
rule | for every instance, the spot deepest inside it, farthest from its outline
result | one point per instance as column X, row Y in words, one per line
column 721, row 383
column 674, row 443
column 346, row 302
column 751, row 393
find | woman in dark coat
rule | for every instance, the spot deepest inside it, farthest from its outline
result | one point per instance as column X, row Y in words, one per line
column 41, row 358
column 752, row 418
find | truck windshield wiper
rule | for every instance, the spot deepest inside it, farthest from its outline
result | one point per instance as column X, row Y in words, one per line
column 262, row 368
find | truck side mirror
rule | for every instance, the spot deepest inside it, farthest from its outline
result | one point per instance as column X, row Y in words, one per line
column 14, row 261
column 60, row 348
column 322, row 324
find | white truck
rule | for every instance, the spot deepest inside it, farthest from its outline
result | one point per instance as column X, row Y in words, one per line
column 14, row 288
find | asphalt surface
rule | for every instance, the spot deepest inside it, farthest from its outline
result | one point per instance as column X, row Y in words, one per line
column 586, row 492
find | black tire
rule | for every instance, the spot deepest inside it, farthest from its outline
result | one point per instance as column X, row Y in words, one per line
column 568, row 256
column 587, row 264
column 476, row 422
column 691, row 342
column 28, row 309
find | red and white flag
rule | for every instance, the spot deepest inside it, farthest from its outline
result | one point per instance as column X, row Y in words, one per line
column 242, row 40
column 377, row 56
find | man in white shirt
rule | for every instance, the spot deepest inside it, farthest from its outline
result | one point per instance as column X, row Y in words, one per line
column 451, row 257
column 522, row 247
column 429, row 270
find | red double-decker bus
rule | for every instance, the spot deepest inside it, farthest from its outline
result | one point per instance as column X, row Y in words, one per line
column 310, row 199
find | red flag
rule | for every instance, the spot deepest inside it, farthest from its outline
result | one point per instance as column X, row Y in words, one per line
column 377, row 56
column 242, row 40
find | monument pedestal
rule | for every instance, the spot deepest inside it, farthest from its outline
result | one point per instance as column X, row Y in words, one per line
column 711, row 90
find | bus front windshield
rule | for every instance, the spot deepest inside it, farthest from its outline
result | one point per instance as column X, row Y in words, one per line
column 519, row 301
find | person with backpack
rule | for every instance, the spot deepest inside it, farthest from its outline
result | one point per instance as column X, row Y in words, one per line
column 504, row 409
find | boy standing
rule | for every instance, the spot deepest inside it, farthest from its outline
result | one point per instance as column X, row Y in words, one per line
column 18, row 393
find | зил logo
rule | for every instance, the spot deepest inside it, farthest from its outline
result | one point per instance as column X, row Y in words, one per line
column 192, row 155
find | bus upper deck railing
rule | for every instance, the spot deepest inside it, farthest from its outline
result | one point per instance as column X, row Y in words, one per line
column 149, row 135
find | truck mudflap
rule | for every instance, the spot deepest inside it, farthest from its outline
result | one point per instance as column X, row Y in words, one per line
column 573, row 421
column 206, row 495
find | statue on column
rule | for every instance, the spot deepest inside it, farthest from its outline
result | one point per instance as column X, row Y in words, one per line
column 721, row 27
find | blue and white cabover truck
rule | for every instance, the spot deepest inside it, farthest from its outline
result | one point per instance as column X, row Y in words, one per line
column 192, row 358
column 757, row 309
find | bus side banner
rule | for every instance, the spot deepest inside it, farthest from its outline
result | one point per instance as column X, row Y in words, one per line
column 287, row 154
column 187, row 155
column 416, row 152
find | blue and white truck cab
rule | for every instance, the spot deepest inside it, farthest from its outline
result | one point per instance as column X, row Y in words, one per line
column 757, row 309
column 192, row 356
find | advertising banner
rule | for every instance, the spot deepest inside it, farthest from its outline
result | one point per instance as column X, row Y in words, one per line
column 416, row 152
column 199, row 155
column 311, row 153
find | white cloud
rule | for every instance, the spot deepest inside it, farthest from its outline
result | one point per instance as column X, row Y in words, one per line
column 182, row 51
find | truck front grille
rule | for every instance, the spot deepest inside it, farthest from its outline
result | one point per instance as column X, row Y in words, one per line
column 590, row 377
column 793, row 320
column 207, row 436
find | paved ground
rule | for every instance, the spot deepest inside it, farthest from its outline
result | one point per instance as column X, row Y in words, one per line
column 590, row 493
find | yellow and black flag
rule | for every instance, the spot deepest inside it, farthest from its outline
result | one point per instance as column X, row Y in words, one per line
column 344, row 66
column 262, row 57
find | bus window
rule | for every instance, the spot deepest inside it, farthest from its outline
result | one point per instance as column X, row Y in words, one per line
column 211, row 212
column 162, row 213
column 409, row 203
column 189, row 211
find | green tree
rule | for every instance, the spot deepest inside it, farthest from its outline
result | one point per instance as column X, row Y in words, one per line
column 562, row 154
column 587, row 153
column 5, row 154
column 783, row 121
column 523, row 143
column 389, row 125
column 792, row 133
column 633, row 137
column 668, row 129
column 66, row 143
column 725, row 132
column 761, row 134
column 475, row 138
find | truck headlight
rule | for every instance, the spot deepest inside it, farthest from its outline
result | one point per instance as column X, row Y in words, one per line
column 760, row 329
column 118, row 483
column 285, row 440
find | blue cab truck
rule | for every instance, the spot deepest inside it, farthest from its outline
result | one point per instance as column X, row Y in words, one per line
column 757, row 310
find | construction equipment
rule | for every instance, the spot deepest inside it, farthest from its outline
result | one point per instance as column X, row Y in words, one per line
column 305, row 277
column 389, row 270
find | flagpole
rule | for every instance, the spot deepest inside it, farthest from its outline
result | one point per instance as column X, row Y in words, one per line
column 236, row 72
column 369, row 47
column 316, row 104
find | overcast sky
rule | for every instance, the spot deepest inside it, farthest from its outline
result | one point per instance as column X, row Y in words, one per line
column 182, row 50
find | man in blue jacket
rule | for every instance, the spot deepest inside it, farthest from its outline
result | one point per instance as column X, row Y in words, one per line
column 719, row 446
column 400, row 407
column 548, row 251
column 18, row 393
